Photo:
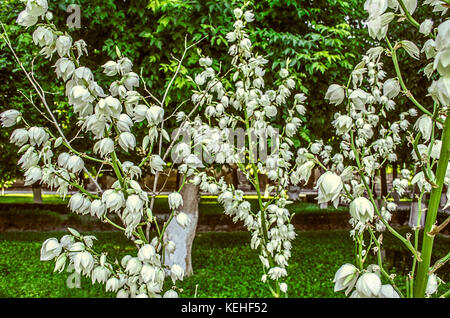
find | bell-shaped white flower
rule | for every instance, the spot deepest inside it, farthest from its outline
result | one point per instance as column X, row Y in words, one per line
column 112, row 285
column 64, row 68
column 134, row 266
column 369, row 285
column 155, row 115
column 170, row 294
column 387, row 291
column 75, row 164
column 113, row 200
column 345, row 277
column 97, row 208
column 83, row 262
column 391, row 88
column 131, row 80
column 134, row 204
column 156, row 163
column 335, row 94
column 26, row 19
column 37, row 7
column 63, row 45
column 175, row 200
column 100, row 274
column 146, row 252
column 425, row 125
column 32, row 175
column 426, row 26
column 432, row 284
column 9, row 117
column 19, row 137
column 176, row 272
column 343, row 124
column 50, row 249
column 375, row 8
column 329, row 187
column 104, row 146
column 305, row 170
column 362, row 209
column 127, row 141
column 183, row 219
column 111, row 68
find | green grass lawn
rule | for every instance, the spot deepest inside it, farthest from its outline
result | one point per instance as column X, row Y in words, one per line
column 224, row 265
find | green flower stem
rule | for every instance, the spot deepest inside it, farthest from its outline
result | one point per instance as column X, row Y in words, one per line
column 416, row 243
column 433, row 205
column 369, row 191
column 403, row 85
column 116, row 168
column 380, row 264
column 408, row 15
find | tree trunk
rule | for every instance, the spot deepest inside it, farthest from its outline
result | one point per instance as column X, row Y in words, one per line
column 37, row 193
column 383, row 181
column 184, row 237
column 394, row 176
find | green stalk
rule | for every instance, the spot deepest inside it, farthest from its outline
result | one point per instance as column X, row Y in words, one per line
column 435, row 197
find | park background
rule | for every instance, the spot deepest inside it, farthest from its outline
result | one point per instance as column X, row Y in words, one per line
column 323, row 40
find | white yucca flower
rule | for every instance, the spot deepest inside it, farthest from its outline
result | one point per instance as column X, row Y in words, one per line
column 345, row 278
column 26, row 19
column 63, row 45
column 97, row 208
column 134, row 204
column 170, row 294
column 50, row 249
column 127, row 141
column 426, row 26
column 9, row 117
column 369, row 285
column 19, row 137
column 176, row 272
column 111, row 68
column 113, row 200
column 343, row 124
column 387, row 291
column 155, row 115
column 424, row 124
column 146, row 253
column 37, row 7
column 100, row 274
column 362, row 209
column 183, row 219
column 329, row 187
column 131, row 80
column 104, row 146
column 124, row 123
column 335, row 94
column 391, row 88
column 75, row 164
column 83, row 262
column 64, row 68
column 32, row 175
column 133, row 266
column 175, row 200
column 156, row 164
